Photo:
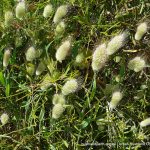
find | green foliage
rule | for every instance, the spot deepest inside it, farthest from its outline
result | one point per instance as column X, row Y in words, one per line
column 87, row 118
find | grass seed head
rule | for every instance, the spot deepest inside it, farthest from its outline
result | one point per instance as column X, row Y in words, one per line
column 116, row 97
column 41, row 67
column 145, row 122
column 63, row 51
column 48, row 11
column 137, row 64
column 6, row 57
column 60, row 13
column 70, row 86
column 4, row 118
column 32, row 54
column 141, row 30
column 20, row 10
column 60, row 28
column 116, row 43
column 80, row 58
column 99, row 58
column 57, row 111
column 59, row 99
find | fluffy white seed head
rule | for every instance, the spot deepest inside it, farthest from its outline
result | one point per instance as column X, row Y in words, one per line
column 41, row 67
column 141, row 30
column 99, row 58
column 4, row 118
column 60, row 28
column 116, row 97
column 136, row 64
column 63, row 51
column 20, row 10
column 6, row 57
column 57, row 111
column 32, row 54
column 80, row 58
column 145, row 122
column 116, row 43
column 60, row 13
column 48, row 11
column 59, row 99
column 8, row 18
column 70, row 86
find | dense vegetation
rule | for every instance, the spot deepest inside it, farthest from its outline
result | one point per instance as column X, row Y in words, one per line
column 27, row 90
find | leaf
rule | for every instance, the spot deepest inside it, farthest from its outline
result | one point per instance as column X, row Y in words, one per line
column 85, row 123
column 66, row 144
column 93, row 88
column 7, row 90
column 122, row 69
column 41, row 116
column 2, row 79
column 52, row 147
